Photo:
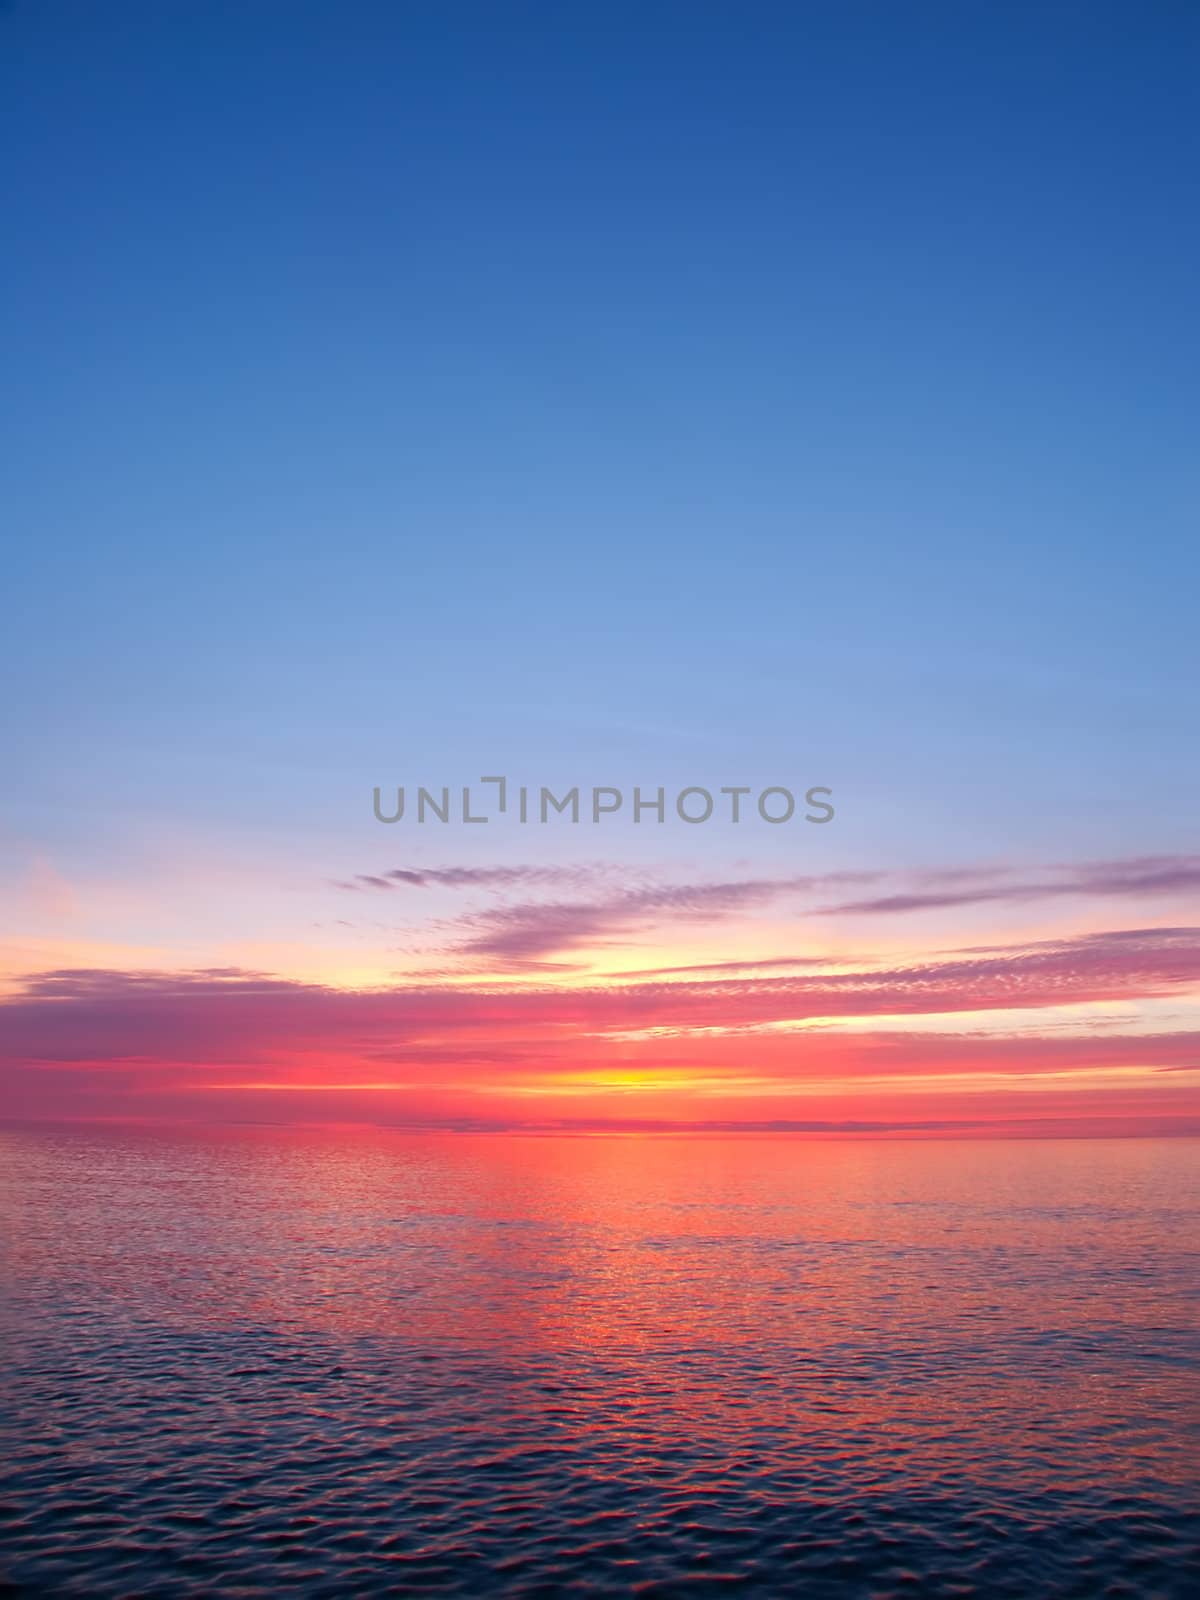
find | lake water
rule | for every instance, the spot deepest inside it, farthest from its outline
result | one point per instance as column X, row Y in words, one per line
column 339, row 1362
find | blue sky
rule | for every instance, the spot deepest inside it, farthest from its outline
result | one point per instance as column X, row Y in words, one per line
column 602, row 394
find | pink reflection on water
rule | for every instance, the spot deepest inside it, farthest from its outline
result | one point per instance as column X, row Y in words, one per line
column 719, row 1326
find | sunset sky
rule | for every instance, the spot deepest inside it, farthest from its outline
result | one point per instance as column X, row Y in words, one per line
column 442, row 392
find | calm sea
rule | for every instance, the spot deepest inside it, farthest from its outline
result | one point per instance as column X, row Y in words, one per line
column 253, row 1361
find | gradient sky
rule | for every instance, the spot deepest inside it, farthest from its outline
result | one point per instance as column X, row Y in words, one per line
column 670, row 394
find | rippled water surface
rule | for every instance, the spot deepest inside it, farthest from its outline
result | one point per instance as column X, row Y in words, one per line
column 335, row 1363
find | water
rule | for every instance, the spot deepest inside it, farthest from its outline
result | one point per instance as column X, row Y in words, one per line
column 242, row 1362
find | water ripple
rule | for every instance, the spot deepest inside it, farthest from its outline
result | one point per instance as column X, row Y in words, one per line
column 269, row 1363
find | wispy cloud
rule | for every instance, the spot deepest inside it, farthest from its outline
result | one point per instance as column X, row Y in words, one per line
column 513, row 1006
column 1142, row 876
column 71, row 1015
column 514, row 877
column 535, row 933
column 535, row 930
column 769, row 964
column 531, row 932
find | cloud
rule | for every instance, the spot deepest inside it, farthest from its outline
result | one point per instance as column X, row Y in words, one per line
column 1145, row 875
column 534, row 930
column 515, row 877
column 771, row 963
column 516, row 935
column 222, row 1015
column 532, row 933
column 511, row 1007
column 736, row 1045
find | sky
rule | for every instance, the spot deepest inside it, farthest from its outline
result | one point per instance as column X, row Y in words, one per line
column 661, row 395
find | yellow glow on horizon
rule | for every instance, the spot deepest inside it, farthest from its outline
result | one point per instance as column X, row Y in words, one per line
column 716, row 1085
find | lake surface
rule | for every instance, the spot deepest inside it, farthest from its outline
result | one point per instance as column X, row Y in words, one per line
column 252, row 1361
